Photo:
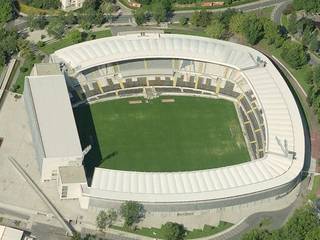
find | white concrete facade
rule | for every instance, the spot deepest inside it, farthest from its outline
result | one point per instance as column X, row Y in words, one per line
column 54, row 132
column 69, row 183
column 71, row 4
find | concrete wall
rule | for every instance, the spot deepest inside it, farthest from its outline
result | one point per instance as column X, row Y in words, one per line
column 278, row 192
column 35, row 131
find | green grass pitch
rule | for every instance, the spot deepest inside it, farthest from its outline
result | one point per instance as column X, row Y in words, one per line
column 189, row 134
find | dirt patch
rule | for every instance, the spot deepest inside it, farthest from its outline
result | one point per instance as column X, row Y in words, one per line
column 168, row 100
column 135, row 102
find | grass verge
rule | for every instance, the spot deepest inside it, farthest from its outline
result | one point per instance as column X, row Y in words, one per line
column 315, row 188
column 196, row 233
column 29, row 10
column 66, row 42
column 187, row 31
column 27, row 64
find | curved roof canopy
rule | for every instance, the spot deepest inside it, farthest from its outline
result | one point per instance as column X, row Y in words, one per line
column 282, row 121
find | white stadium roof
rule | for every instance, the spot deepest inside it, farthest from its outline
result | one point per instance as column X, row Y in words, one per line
column 282, row 121
column 106, row 50
column 54, row 116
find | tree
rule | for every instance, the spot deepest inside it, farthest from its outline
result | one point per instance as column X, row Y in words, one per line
column 173, row 231
column 252, row 29
column 278, row 41
column 307, row 36
column 37, row 22
column 256, row 234
column 309, row 6
column 271, row 31
column 236, row 23
column 132, row 212
column 316, row 77
column 183, row 21
column 75, row 36
column 313, row 234
column 70, row 19
column 159, row 12
column 76, row 236
column 56, row 27
column 201, row 18
column 294, row 54
column 112, row 216
column 6, row 10
column 216, row 29
column 226, row 16
column 292, row 23
column 140, row 16
column 314, row 45
column 101, row 220
column 300, row 224
column 8, row 45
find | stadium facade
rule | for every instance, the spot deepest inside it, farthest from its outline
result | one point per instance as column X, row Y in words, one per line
column 167, row 64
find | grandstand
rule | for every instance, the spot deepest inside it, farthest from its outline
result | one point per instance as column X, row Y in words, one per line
column 163, row 64
column 182, row 76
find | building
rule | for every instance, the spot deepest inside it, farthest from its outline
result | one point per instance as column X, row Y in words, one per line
column 71, row 4
column 53, row 126
column 70, row 181
column 195, row 66
column 8, row 233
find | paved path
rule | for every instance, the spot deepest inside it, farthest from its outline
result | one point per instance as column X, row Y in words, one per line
column 278, row 10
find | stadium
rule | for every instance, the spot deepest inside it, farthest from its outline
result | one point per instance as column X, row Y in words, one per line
column 172, row 121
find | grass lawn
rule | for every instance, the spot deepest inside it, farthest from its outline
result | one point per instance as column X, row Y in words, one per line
column 190, row 134
column 284, row 20
column 196, row 233
column 187, row 31
column 65, row 42
column 20, row 80
column 29, row 10
column 264, row 12
column 300, row 74
column 315, row 188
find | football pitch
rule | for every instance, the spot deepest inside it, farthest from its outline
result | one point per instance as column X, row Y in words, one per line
column 190, row 133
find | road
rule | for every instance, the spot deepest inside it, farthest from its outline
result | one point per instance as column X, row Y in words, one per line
column 277, row 11
column 127, row 17
column 245, row 8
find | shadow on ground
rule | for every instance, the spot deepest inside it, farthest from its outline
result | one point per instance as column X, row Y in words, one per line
column 88, row 136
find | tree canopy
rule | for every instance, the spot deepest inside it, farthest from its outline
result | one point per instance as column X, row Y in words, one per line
column 308, row 5
column 252, row 29
column 294, row 54
column 56, row 27
column 216, row 29
column 303, row 225
column 173, row 231
column 132, row 212
column 6, row 10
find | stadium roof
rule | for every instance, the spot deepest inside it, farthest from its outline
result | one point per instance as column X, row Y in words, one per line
column 282, row 121
column 106, row 50
column 55, row 116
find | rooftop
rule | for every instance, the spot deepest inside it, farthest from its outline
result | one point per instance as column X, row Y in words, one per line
column 72, row 174
column 43, row 69
column 55, row 116
column 7, row 233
